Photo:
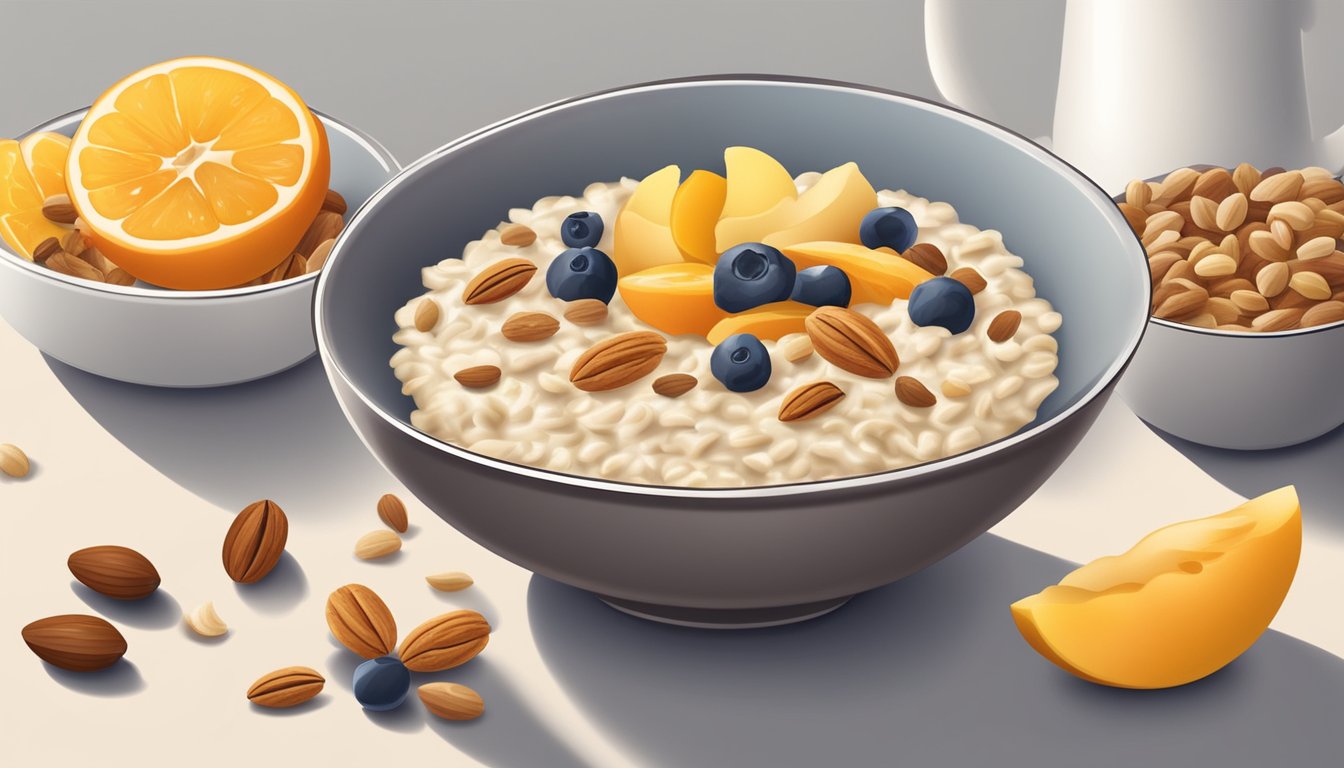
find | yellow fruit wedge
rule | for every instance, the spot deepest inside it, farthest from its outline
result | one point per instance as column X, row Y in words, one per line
column 1180, row 605
column 830, row 210
column 695, row 210
column 768, row 322
column 643, row 235
column 31, row 170
column 756, row 183
column 674, row 298
column 875, row 276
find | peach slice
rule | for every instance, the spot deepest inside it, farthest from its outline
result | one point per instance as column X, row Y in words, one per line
column 643, row 236
column 876, row 277
column 756, row 183
column 830, row 210
column 1180, row 605
column 695, row 210
column 768, row 322
column 674, row 298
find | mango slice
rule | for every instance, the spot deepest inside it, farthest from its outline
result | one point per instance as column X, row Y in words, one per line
column 1180, row 605
column 643, row 235
column 756, row 183
column 768, row 322
column 876, row 277
column 674, row 298
column 695, row 210
column 830, row 210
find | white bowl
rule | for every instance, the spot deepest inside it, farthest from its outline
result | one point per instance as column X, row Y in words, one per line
column 148, row 335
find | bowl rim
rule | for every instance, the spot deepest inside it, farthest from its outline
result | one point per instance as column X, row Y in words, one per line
column 1175, row 326
column 1083, row 183
column 10, row 259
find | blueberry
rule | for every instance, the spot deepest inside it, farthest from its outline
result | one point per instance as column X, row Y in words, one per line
column 582, row 229
column 741, row 363
column 382, row 684
column 582, row 273
column 892, row 227
column 752, row 274
column 823, row 286
column 944, row 302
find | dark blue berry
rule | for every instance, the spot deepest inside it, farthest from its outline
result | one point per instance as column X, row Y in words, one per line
column 582, row 229
column 892, row 227
column 752, row 274
column 381, row 684
column 582, row 273
column 944, row 302
column 741, row 363
column 823, row 286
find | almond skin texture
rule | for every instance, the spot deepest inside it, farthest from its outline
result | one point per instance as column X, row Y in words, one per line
column 75, row 642
column 1004, row 325
column 499, row 281
column 334, row 203
column 674, row 384
column 809, row 400
column 445, row 641
column 392, row 511
column 426, row 315
column 586, row 312
column 517, row 235
column 325, row 227
column 913, row 393
column 478, row 376
column 851, row 341
column 286, row 687
column 620, row 360
column 529, row 326
column 114, row 571
column 361, row 621
column 927, row 257
column 969, row 278
column 451, row 701
column 376, row 544
column 13, row 461
column 450, row 581
column 255, row 541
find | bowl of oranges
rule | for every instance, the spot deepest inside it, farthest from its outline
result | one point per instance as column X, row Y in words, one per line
column 171, row 234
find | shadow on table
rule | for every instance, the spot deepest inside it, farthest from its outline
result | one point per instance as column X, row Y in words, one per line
column 930, row 671
column 121, row 679
column 1315, row 467
column 159, row 610
column 284, row 435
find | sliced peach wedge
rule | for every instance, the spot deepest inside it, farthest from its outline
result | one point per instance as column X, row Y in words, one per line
column 696, row 207
column 830, row 210
column 643, row 235
column 756, row 183
column 768, row 322
column 1180, row 605
column 876, row 276
column 674, row 298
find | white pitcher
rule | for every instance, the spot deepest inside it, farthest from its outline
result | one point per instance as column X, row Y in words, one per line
column 1145, row 86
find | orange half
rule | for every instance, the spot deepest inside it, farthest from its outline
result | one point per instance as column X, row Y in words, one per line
column 198, row 173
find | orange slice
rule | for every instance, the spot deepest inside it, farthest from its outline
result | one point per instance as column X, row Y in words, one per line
column 31, row 170
column 198, row 173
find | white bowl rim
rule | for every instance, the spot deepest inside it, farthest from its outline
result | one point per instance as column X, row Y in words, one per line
column 10, row 259
column 1074, row 176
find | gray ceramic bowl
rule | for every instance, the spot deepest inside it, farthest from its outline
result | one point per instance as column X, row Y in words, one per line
column 149, row 335
column 739, row 557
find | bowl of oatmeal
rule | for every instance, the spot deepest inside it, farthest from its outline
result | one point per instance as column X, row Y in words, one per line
column 730, row 375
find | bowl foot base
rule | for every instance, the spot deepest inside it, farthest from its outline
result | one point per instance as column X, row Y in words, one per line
column 725, row 618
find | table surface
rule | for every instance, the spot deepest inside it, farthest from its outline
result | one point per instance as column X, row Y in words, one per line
column 930, row 669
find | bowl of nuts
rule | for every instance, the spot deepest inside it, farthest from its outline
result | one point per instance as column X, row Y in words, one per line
column 730, row 376
column 185, row 255
column 1246, row 342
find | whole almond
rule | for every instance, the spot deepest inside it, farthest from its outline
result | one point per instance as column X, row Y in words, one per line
column 955, row 388
column 1272, row 279
column 117, row 572
column 913, row 393
column 1323, row 314
column 255, row 541
column 674, row 384
column 1330, row 267
column 517, row 235
column 1316, row 248
column 851, row 341
column 1249, row 302
column 361, row 621
column 529, row 326
column 809, row 400
column 318, row 258
column 1176, row 186
column 1277, row 320
column 376, row 544
column 499, row 281
column 1138, row 193
column 445, row 641
column 451, row 701
column 1265, row 245
column 586, row 311
column 1310, row 285
column 75, row 642
column 1277, row 188
column 426, row 315
column 1004, row 325
column 1183, row 304
column 1134, row 216
column 478, row 376
column 617, row 361
column 286, row 687
column 73, row 266
column 1231, row 212
column 1216, row 265
column 1245, row 177
column 59, row 209
column 325, row 227
column 927, row 257
column 1326, row 190
column 334, row 202
column 1215, row 184
column 1160, row 263
column 1162, row 222
column 13, row 461
column 449, row 581
column 119, row 276
column 392, row 511
column 796, row 347
column 1295, row 214
column 1204, row 213
column 969, row 278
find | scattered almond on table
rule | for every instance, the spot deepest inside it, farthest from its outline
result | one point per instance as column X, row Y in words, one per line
column 13, row 461
column 376, row 544
column 449, row 581
column 205, row 621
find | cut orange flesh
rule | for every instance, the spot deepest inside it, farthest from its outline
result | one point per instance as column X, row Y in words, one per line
column 30, row 171
column 198, row 173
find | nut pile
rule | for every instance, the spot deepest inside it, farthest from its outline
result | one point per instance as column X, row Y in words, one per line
column 1243, row 250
